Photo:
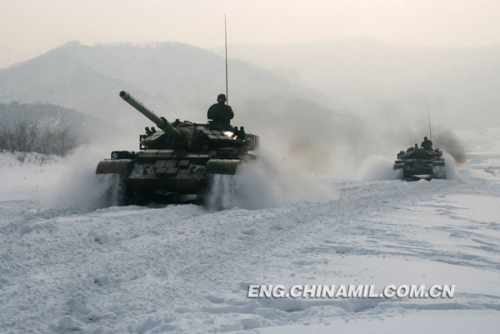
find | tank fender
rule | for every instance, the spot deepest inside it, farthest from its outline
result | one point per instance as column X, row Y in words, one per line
column 115, row 166
column 219, row 166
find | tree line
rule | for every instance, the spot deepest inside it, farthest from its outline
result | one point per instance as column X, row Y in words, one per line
column 29, row 136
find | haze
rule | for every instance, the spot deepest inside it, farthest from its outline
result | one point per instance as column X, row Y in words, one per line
column 31, row 27
column 384, row 62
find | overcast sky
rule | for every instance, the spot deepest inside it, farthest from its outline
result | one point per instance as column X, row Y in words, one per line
column 32, row 27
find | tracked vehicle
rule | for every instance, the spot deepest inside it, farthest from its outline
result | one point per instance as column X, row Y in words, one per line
column 174, row 163
column 418, row 163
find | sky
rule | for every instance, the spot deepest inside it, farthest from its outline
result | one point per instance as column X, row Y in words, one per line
column 32, row 27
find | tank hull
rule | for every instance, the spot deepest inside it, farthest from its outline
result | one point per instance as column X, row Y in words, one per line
column 418, row 164
column 165, row 175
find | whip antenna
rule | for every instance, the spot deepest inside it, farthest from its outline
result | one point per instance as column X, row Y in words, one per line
column 225, row 43
column 429, row 114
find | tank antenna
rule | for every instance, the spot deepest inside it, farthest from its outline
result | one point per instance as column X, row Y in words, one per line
column 225, row 44
column 429, row 114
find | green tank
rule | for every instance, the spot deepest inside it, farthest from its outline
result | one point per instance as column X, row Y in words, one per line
column 175, row 163
column 418, row 163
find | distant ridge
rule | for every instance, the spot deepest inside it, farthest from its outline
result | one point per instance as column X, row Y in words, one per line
column 51, row 116
column 169, row 77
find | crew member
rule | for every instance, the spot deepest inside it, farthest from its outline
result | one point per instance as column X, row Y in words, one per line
column 426, row 144
column 220, row 112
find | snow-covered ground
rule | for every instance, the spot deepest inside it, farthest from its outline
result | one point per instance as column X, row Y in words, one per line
column 184, row 269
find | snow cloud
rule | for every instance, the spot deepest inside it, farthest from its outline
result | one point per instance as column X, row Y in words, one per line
column 79, row 185
column 265, row 183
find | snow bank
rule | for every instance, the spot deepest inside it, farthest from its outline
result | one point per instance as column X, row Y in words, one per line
column 11, row 159
column 27, row 175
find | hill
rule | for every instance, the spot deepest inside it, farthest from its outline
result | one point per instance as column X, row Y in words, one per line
column 51, row 116
column 171, row 78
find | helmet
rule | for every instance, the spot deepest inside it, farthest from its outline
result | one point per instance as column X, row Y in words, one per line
column 221, row 96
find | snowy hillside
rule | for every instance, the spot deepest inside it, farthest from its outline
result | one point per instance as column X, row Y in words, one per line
column 184, row 269
column 176, row 80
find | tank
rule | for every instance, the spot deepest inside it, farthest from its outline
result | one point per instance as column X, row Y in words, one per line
column 418, row 163
column 175, row 163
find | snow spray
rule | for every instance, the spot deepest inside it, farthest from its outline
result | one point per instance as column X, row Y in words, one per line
column 265, row 183
column 79, row 185
column 378, row 167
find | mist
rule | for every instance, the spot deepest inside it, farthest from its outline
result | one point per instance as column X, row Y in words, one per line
column 389, row 83
column 450, row 143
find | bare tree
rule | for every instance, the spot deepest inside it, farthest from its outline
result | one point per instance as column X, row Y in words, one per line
column 4, row 137
column 26, row 136
column 23, row 136
column 64, row 141
column 45, row 142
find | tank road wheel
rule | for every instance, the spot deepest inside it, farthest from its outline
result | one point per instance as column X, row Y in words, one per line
column 123, row 194
column 438, row 172
column 127, row 196
column 116, row 193
column 113, row 175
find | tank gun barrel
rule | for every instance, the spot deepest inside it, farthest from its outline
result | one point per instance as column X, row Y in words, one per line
column 161, row 122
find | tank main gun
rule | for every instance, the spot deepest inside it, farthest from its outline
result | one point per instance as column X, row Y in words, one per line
column 160, row 122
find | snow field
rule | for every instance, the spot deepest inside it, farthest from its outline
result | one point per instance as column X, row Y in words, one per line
column 182, row 268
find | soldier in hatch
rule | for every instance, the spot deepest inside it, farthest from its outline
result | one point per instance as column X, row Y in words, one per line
column 220, row 112
column 426, row 144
